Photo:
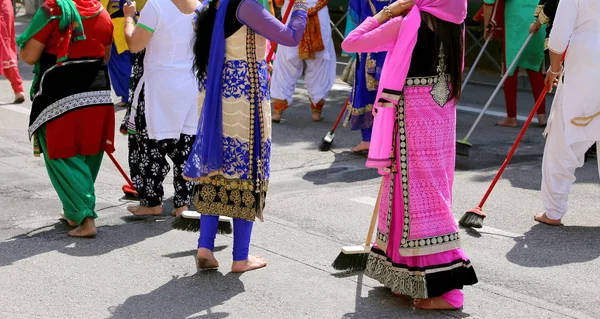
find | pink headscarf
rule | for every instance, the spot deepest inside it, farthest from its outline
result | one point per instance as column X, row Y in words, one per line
column 395, row 70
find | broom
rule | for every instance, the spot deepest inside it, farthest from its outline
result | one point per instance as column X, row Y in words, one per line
column 463, row 147
column 328, row 139
column 354, row 258
column 128, row 189
column 190, row 221
column 474, row 218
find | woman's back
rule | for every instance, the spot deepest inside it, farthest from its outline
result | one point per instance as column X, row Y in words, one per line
column 98, row 35
column 171, row 42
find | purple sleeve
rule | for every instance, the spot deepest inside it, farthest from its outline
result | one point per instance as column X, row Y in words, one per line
column 256, row 17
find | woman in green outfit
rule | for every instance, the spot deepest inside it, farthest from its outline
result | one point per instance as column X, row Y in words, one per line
column 518, row 16
column 72, row 116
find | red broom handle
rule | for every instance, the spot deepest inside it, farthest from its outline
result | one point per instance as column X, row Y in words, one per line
column 514, row 147
column 114, row 160
column 284, row 21
column 341, row 114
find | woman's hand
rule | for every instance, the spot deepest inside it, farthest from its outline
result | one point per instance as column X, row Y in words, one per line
column 401, row 7
column 535, row 27
column 129, row 10
column 552, row 79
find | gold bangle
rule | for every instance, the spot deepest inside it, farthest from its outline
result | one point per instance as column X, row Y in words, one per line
column 388, row 11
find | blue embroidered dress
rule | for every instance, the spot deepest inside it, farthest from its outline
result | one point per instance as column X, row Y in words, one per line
column 239, row 188
column 368, row 68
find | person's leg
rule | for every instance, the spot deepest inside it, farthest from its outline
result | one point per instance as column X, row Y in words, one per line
column 365, row 142
column 558, row 174
column 510, row 98
column 453, row 299
column 319, row 77
column 242, row 261
column 183, row 188
column 74, row 184
column 16, row 82
column 286, row 73
column 205, row 259
column 536, row 79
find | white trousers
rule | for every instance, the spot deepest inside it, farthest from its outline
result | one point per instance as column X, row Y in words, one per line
column 558, row 168
column 319, row 75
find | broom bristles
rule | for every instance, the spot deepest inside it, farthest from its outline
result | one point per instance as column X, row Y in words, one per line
column 193, row 225
column 351, row 262
column 473, row 218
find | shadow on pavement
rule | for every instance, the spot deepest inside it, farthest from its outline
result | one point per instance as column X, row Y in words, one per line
column 381, row 303
column 547, row 246
column 54, row 238
column 338, row 173
column 183, row 297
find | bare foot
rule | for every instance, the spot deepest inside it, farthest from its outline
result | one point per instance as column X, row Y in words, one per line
column 361, row 147
column 252, row 263
column 145, row 211
column 86, row 229
column 316, row 117
column 542, row 119
column 206, row 260
column 19, row 98
column 544, row 219
column 276, row 117
column 437, row 303
column 70, row 222
column 178, row 211
column 508, row 122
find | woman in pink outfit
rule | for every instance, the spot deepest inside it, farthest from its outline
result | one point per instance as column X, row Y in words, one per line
column 417, row 250
column 8, row 50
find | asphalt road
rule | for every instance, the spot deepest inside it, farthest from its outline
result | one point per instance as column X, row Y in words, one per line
column 317, row 203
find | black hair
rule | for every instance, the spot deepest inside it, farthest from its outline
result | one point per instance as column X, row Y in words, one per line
column 204, row 29
column 449, row 36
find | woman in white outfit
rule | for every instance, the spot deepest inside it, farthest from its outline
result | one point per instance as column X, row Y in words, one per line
column 166, row 117
column 574, row 125
column 317, row 51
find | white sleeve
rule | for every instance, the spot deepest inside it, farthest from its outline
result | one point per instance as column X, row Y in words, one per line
column 563, row 25
column 149, row 17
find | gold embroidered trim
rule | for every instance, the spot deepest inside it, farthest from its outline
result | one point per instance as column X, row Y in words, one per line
column 367, row 109
column 543, row 18
column 583, row 121
column 226, row 200
column 538, row 9
column 399, row 280
column 371, row 64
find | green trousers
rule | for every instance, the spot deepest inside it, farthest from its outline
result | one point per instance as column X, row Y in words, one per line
column 73, row 179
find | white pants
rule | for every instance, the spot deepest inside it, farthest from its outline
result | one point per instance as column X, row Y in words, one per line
column 319, row 75
column 558, row 169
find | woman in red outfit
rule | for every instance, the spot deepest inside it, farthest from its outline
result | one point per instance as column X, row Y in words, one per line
column 72, row 117
column 8, row 50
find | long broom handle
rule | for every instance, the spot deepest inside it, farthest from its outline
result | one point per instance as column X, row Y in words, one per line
column 489, row 102
column 114, row 160
column 284, row 21
column 472, row 70
column 517, row 141
column 374, row 218
column 341, row 115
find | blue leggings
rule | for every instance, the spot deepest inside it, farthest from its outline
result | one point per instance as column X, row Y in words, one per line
column 366, row 134
column 242, row 230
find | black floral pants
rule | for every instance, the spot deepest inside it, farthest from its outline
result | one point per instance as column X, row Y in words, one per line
column 149, row 167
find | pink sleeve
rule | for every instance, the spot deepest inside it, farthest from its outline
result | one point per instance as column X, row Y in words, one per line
column 370, row 36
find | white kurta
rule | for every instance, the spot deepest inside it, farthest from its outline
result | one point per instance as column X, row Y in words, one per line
column 171, row 90
column 320, row 73
column 572, row 129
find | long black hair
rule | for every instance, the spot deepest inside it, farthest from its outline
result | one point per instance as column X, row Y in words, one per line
column 204, row 29
column 449, row 36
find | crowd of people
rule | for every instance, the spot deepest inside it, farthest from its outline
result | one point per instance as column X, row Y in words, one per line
column 196, row 82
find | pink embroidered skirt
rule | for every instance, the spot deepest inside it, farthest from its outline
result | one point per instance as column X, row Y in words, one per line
column 417, row 251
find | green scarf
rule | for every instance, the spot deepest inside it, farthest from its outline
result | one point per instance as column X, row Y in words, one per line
column 70, row 29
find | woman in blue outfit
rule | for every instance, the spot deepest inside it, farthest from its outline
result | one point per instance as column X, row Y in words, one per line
column 368, row 70
column 230, row 159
